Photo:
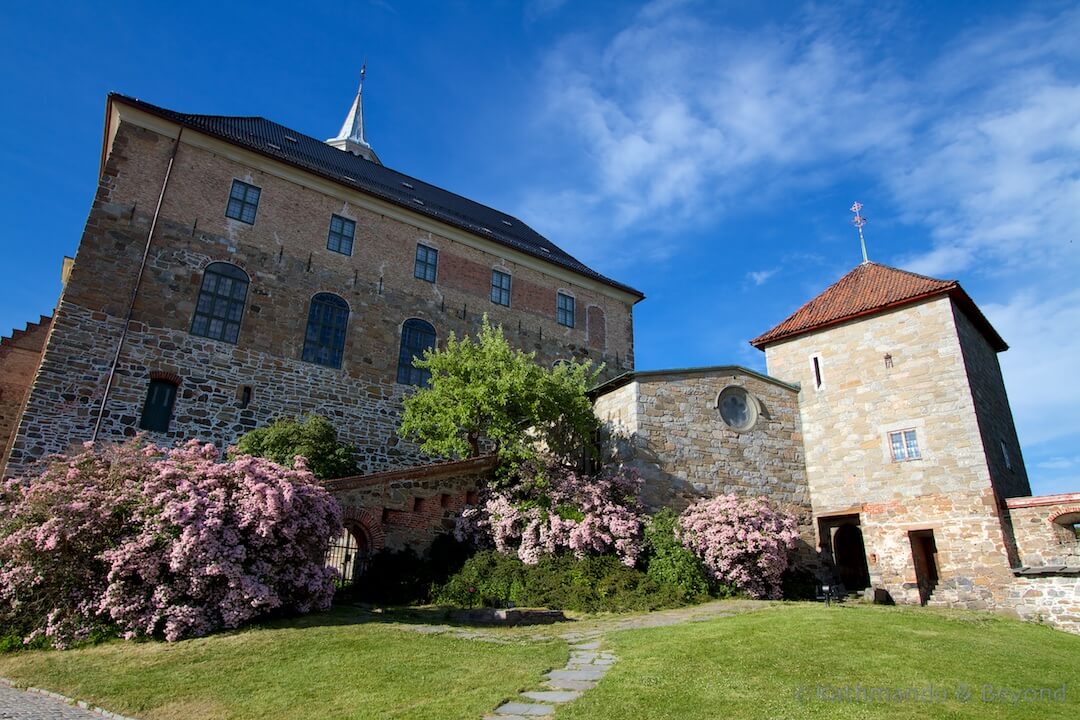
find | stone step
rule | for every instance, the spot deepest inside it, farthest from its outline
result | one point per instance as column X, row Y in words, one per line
column 571, row 684
column 520, row 709
column 552, row 696
column 592, row 673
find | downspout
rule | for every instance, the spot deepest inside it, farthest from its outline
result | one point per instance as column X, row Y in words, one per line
column 135, row 290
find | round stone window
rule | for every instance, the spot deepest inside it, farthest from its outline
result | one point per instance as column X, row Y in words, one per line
column 738, row 408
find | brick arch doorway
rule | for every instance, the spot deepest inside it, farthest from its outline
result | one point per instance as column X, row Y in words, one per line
column 849, row 554
column 350, row 552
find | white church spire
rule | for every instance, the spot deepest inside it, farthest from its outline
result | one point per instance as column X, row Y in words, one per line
column 352, row 138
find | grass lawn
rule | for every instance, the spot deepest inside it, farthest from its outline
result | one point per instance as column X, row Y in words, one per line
column 776, row 661
column 321, row 667
column 795, row 661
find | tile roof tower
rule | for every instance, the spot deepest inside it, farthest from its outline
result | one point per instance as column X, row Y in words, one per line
column 351, row 138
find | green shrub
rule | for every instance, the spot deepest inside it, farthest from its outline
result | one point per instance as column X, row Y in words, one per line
column 670, row 563
column 798, row 584
column 314, row 438
column 594, row 584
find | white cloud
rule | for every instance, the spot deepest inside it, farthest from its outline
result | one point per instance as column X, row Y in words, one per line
column 678, row 119
column 760, row 277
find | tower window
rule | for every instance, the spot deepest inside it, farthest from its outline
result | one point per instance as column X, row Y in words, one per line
column 815, row 361
column 1005, row 456
column 324, row 340
column 157, row 410
column 427, row 262
column 221, row 302
column 416, row 337
column 564, row 309
column 340, row 237
column 243, row 202
column 500, row 288
column 904, row 445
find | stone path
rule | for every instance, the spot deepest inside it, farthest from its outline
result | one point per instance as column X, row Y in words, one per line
column 587, row 665
column 37, row 704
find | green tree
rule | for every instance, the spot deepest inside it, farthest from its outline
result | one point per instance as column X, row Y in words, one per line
column 314, row 438
column 483, row 391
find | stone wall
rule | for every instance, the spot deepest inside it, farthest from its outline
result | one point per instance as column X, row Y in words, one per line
column 20, row 356
column 1041, row 528
column 411, row 507
column 924, row 386
column 285, row 256
column 666, row 426
column 1001, row 446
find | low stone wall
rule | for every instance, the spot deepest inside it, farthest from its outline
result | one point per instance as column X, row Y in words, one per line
column 409, row 508
column 1047, row 583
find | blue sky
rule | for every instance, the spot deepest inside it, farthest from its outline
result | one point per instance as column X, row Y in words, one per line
column 706, row 153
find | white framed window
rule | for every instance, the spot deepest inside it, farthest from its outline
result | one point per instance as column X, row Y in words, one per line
column 564, row 309
column 904, row 445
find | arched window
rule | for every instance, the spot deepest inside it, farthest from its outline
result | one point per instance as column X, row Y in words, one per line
column 221, row 302
column 324, row 340
column 416, row 337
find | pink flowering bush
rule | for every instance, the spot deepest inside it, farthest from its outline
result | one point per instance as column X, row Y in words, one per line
column 743, row 542
column 560, row 511
column 158, row 542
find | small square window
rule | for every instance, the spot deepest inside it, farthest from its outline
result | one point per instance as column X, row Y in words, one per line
column 904, row 445
column 243, row 202
column 564, row 310
column 500, row 288
column 427, row 262
column 340, row 237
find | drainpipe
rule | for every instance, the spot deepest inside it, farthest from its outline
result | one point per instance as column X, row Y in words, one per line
column 135, row 290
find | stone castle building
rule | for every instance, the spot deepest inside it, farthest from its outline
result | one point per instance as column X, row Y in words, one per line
column 233, row 271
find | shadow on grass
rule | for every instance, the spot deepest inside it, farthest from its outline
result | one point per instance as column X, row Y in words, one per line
column 362, row 614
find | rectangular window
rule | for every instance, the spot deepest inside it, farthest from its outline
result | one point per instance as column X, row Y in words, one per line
column 564, row 310
column 905, row 445
column 157, row 410
column 500, row 288
column 340, row 237
column 427, row 262
column 1005, row 455
column 243, row 202
column 816, row 362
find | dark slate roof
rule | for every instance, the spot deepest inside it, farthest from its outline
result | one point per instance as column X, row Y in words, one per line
column 295, row 148
column 869, row 289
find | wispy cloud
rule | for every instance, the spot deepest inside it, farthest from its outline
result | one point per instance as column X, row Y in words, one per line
column 760, row 277
column 680, row 119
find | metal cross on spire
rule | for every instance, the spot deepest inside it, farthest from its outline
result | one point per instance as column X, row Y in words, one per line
column 858, row 221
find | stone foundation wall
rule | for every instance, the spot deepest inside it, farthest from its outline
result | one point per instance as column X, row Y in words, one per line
column 410, row 508
column 1050, row 599
column 972, row 555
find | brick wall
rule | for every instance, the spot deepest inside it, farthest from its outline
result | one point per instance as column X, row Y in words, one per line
column 411, row 507
column 20, row 356
column 285, row 256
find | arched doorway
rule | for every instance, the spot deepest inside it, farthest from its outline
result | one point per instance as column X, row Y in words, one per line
column 849, row 554
column 349, row 553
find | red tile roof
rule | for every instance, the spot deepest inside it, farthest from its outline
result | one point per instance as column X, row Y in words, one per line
column 870, row 289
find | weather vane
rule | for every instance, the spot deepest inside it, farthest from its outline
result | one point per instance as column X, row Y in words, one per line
column 858, row 221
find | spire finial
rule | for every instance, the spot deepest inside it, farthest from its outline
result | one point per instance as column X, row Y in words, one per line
column 858, row 221
column 352, row 137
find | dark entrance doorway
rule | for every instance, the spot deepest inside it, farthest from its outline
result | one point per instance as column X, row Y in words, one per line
column 850, row 554
column 349, row 554
column 842, row 545
column 924, row 556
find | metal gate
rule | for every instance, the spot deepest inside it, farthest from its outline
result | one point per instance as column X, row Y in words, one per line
column 349, row 554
